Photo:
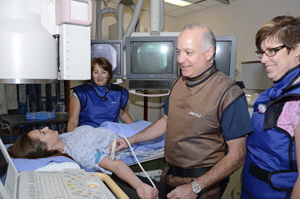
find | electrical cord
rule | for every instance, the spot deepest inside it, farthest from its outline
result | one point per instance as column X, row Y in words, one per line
column 113, row 155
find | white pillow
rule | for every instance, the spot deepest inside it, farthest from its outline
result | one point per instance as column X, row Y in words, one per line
column 54, row 166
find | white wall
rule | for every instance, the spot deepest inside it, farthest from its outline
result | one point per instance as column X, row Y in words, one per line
column 242, row 18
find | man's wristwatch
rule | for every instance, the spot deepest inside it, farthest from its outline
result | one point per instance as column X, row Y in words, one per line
column 196, row 188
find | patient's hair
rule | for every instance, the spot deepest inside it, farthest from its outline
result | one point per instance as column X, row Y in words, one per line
column 30, row 148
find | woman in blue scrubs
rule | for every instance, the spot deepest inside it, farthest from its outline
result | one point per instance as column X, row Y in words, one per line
column 98, row 101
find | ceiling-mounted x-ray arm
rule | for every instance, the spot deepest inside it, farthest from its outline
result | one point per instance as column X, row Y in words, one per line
column 133, row 21
column 99, row 20
column 162, row 15
column 137, row 26
column 119, row 15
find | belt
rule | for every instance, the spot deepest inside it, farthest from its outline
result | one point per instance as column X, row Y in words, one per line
column 275, row 178
column 259, row 173
column 189, row 173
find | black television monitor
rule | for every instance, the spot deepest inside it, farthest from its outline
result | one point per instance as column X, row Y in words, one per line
column 112, row 50
column 151, row 62
column 226, row 55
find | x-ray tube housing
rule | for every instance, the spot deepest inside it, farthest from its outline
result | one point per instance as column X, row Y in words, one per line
column 28, row 51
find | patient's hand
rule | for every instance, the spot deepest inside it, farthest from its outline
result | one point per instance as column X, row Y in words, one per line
column 145, row 191
column 121, row 144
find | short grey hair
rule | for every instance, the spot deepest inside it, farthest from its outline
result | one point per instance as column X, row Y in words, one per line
column 208, row 38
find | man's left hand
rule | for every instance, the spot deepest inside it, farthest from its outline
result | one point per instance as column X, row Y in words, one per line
column 182, row 192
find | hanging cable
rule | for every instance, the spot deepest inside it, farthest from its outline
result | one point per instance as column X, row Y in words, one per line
column 113, row 155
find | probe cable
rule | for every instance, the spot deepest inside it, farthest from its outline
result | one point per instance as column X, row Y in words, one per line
column 113, row 155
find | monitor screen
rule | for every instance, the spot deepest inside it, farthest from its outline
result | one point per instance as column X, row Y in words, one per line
column 226, row 54
column 112, row 50
column 151, row 57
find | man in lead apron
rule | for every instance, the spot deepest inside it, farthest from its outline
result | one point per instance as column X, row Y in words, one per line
column 206, row 121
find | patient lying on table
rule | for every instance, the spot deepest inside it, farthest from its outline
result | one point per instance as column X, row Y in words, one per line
column 87, row 145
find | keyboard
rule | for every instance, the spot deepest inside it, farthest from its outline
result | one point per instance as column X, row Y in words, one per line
column 62, row 185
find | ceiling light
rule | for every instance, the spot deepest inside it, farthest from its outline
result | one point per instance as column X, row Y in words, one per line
column 180, row 3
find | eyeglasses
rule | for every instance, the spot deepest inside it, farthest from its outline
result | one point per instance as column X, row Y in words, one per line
column 270, row 52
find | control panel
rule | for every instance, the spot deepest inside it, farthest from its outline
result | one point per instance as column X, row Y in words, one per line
column 150, row 84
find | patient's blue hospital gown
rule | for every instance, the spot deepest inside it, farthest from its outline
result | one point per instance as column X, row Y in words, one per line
column 85, row 141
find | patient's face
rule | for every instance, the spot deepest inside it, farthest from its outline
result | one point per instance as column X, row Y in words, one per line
column 46, row 135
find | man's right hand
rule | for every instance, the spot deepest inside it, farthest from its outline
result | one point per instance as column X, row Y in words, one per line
column 121, row 144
